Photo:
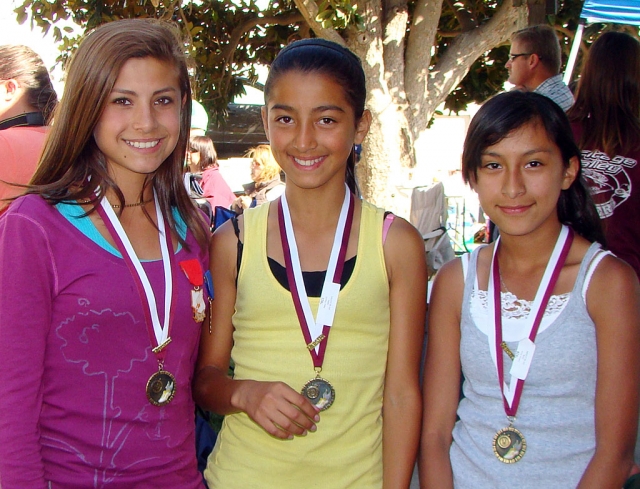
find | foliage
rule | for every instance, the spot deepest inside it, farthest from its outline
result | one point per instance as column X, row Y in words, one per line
column 225, row 38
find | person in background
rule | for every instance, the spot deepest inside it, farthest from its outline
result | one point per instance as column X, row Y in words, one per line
column 101, row 272
column 543, row 324
column 534, row 64
column 321, row 396
column 27, row 101
column 265, row 173
column 606, row 123
column 203, row 165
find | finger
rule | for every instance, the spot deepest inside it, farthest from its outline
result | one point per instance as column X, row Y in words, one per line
column 290, row 425
column 305, row 406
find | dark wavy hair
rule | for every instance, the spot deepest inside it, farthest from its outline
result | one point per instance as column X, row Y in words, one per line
column 507, row 112
column 331, row 60
column 24, row 65
column 608, row 95
column 72, row 166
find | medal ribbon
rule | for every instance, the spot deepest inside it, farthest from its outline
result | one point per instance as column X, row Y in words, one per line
column 548, row 282
column 313, row 329
column 158, row 333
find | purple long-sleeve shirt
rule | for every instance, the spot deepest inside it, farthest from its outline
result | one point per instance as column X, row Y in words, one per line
column 75, row 357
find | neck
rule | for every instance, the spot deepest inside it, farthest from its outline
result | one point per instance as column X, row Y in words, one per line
column 17, row 110
column 132, row 194
column 315, row 207
column 529, row 251
column 538, row 79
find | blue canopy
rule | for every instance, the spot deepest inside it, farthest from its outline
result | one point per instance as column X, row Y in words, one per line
column 608, row 11
column 615, row 11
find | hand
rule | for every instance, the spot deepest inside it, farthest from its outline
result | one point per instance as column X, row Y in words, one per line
column 278, row 409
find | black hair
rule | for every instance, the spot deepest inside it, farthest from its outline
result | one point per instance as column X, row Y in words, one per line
column 332, row 60
column 507, row 112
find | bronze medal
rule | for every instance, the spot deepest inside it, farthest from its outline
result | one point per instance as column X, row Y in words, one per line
column 161, row 387
column 320, row 392
column 509, row 445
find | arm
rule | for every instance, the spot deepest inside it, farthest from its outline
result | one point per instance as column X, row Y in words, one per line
column 25, row 317
column 441, row 390
column 407, row 272
column 613, row 302
column 275, row 406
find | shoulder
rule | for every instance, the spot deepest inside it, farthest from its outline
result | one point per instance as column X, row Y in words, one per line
column 30, row 206
column 613, row 284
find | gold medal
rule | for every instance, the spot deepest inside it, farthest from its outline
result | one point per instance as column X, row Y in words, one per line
column 509, row 445
column 320, row 392
column 161, row 387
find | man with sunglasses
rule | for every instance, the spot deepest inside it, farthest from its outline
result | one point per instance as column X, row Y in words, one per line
column 534, row 64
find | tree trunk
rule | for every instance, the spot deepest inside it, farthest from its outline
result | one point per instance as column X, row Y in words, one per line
column 403, row 88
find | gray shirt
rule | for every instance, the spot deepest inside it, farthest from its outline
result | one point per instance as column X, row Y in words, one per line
column 556, row 412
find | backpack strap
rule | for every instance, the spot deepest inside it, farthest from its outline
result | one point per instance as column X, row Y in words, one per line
column 236, row 230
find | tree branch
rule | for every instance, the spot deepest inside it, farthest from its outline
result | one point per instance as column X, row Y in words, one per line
column 467, row 48
column 241, row 29
column 463, row 15
column 309, row 10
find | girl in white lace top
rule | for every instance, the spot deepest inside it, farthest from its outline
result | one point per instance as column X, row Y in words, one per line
column 543, row 325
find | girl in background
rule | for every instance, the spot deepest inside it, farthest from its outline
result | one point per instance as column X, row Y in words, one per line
column 101, row 268
column 27, row 100
column 543, row 324
column 606, row 123
column 203, row 162
column 266, row 185
column 305, row 405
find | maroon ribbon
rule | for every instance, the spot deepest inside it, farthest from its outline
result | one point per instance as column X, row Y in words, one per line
column 497, row 304
column 318, row 358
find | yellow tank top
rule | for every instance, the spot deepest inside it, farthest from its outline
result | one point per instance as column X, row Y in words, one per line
column 346, row 450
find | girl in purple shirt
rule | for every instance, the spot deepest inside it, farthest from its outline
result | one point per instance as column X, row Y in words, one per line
column 101, row 277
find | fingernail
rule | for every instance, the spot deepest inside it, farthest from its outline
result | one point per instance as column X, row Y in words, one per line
column 316, row 418
column 304, row 433
column 290, row 437
column 313, row 428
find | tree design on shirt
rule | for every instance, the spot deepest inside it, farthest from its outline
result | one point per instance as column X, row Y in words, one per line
column 90, row 340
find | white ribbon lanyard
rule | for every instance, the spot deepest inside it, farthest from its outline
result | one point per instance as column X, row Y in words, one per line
column 161, row 331
column 330, row 289
column 526, row 348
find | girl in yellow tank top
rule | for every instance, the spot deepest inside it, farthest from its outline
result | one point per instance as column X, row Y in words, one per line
column 324, row 321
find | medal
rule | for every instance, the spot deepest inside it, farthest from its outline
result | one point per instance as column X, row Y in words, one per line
column 320, row 392
column 316, row 330
column 509, row 444
column 193, row 270
column 161, row 386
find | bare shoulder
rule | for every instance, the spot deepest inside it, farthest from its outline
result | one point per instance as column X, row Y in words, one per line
column 613, row 294
column 450, row 278
column 613, row 278
column 404, row 249
column 403, row 234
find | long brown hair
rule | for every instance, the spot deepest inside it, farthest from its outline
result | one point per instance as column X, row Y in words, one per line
column 608, row 95
column 71, row 166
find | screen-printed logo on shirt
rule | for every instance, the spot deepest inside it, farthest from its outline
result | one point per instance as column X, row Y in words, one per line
column 607, row 179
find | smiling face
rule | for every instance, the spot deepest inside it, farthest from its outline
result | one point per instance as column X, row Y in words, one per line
column 140, row 124
column 520, row 179
column 312, row 131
